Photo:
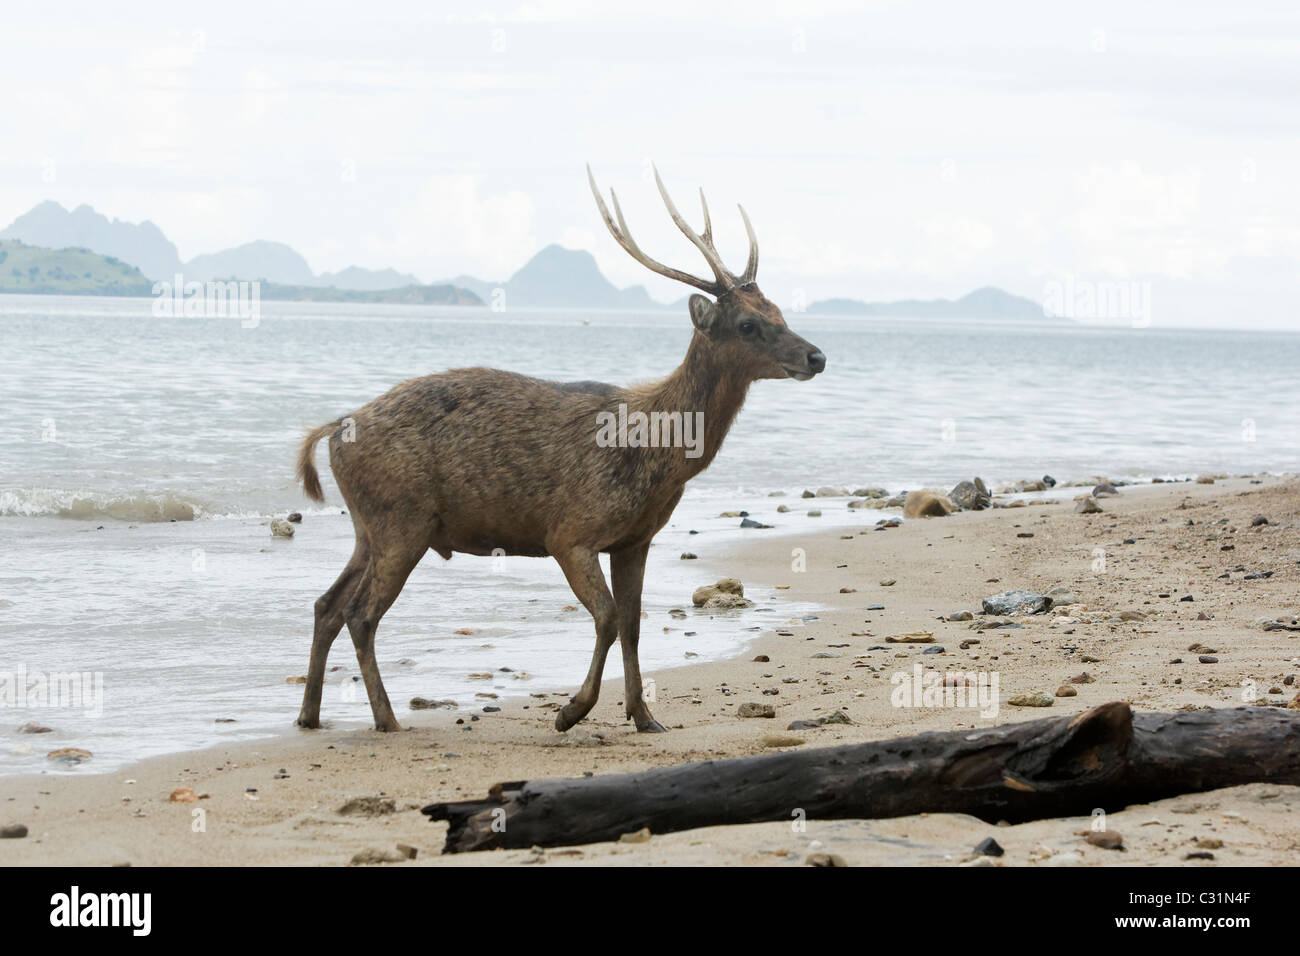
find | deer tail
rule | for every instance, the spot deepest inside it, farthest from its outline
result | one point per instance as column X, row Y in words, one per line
column 307, row 473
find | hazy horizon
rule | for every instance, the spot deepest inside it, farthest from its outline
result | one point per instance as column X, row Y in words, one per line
column 896, row 152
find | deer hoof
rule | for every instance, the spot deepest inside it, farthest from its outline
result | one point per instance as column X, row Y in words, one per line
column 308, row 723
column 563, row 723
column 650, row 726
column 388, row 728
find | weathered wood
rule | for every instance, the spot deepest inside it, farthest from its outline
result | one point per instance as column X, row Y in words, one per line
column 1106, row 757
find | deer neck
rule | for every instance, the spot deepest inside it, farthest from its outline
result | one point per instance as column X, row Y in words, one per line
column 703, row 383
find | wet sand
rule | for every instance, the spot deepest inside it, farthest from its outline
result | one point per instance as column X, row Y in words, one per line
column 277, row 802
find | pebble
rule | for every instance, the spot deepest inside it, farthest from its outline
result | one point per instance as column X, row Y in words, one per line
column 960, row 616
column 1035, row 699
column 13, row 831
column 1106, row 839
column 1011, row 602
column 825, row 859
column 689, row 556
column 913, row 637
column 750, row 709
column 936, row 649
column 424, row 703
column 1087, row 506
column 1208, row 659
column 281, row 528
column 781, row 740
column 32, row 728
column 69, row 754
column 639, row 836
column 1065, row 690
column 989, row 847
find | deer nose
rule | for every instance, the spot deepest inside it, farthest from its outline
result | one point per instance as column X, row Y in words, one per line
column 816, row 361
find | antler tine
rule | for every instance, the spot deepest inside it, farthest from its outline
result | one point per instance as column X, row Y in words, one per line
column 707, row 235
column 751, row 267
column 623, row 236
column 725, row 278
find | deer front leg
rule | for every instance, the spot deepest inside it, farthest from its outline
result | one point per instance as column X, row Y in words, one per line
column 582, row 569
column 627, row 568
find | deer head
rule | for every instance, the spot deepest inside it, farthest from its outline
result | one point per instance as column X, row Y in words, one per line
column 742, row 324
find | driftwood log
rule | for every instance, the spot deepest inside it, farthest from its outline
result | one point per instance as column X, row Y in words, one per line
column 1106, row 757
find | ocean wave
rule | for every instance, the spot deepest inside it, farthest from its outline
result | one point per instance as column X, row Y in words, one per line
column 86, row 506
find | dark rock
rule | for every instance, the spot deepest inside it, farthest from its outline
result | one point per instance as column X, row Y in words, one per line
column 749, row 709
column 1208, row 659
column 989, row 847
column 689, row 556
column 970, row 495
column 13, row 831
column 295, row 517
column 1011, row 602
column 1258, row 520
column 751, row 523
column 1106, row 839
column 936, row 649
column 804, row 725
column 1105, row 488
column 1049, row 481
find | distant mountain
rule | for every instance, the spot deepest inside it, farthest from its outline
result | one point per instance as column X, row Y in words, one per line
column 25, row 268
column 985, row 303
column 50, row 226
column 355, row 277
column 268, row 261
column 558, row 277
column 144, row 246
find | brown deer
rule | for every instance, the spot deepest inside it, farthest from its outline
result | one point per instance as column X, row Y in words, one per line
column 488, row 462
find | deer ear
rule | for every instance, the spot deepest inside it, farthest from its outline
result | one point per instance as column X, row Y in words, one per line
column 703, row 312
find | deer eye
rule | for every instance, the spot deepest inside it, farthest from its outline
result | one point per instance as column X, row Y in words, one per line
column 746, row 328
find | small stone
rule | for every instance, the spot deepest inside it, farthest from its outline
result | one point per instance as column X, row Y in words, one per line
column 914, row 637
column 936, row 649
column 408, row 851
column 1106, row 839
column 804, row 725
column 689, row 556
column 960, row 616
column 424, row 703
column 639, row 836
column 1208, row 659
column 281, row 528
column 32, row 728
column 1084, row 678
column 1257, row 521
column 761, row 659
column 781, row 740
column 295, row 517
column 825, row 859
column 1199, row 855
column 989, row 847
column 1087, row 506
column 750, row 709
column 1065, row 690
column 69, row 754
column 1012, row 602
column 183, row 795
column 1035, row 699
column 13, row 831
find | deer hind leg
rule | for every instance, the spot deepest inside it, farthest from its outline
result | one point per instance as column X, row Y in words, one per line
column 329, row 621
column 380, row 583
column 627, row 568
column 582, row 569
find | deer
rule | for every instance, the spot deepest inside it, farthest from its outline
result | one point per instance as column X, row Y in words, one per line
column 485, row 462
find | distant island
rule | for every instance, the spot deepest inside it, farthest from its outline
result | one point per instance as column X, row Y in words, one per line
column 52, row 250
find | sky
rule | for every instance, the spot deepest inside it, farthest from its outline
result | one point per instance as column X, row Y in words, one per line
column 883, row 150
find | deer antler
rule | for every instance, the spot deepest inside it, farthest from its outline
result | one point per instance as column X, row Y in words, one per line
column 724, row 280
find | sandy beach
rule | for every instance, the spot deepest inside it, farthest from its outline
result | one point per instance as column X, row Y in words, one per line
column 278, row 802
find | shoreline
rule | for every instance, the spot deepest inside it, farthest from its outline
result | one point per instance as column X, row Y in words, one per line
column 275, row 801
